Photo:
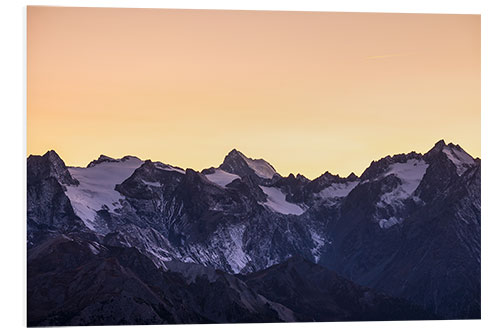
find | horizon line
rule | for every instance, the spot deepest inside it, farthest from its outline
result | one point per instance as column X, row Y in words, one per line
column 258, row 158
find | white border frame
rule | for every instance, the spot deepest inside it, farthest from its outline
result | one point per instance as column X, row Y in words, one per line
column 13, row 164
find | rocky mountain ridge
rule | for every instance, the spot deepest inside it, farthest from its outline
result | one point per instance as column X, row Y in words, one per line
column 408, row 227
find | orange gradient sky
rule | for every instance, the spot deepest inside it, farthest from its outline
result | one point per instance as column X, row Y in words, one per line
column 307, row 91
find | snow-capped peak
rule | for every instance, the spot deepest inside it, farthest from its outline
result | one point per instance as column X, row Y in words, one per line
column 261, row 168
column 237, row 163
column 107, row 159
column 459, row 157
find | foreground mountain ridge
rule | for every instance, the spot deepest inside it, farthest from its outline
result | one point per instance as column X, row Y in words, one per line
column 107, row 285
column 408, row 227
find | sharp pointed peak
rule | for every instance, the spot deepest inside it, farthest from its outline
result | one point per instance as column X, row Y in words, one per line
column 236, row 162
column 53, row 157
column 51, row 152
column 302, row 177
column 234, row 154
column 452, row 153
column 51, row 164
column 352, row 176
column 235, row 151
column 441, row 145
column 327, row 176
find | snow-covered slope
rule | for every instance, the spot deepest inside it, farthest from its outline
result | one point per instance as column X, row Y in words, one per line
column 459, row 157
column 221, row 177
column 168, row 167
column 337, row 190
column 97, row 188
column 261, row 167
column 276, row 201
column 410, row 174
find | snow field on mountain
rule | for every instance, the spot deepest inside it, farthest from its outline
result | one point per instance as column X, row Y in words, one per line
column 410, row 174
column 221, row 177
column 97, row 188
column 276, row 201
column 261, row 168
column 337, row 190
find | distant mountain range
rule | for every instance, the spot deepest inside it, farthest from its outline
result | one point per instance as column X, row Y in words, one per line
column 126, row 241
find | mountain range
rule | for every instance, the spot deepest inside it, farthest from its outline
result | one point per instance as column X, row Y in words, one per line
column 127, row 241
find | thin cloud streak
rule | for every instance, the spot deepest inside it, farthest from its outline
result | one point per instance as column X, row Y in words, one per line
column 295, row 88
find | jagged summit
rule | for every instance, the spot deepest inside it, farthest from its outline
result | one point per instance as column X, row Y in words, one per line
column 379, row 167
column 441, row 143
column 235, row 152
column 374, row 232
column 442, row 146
column 237, row 163
column 352, row 177
column 50, row 165
column 327, row 177
column 52, row 155
column 302, row 178
column 437, row 148
column 453, row 153
column 103, row 158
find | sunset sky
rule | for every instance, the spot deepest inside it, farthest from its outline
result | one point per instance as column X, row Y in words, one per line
column 307, row 91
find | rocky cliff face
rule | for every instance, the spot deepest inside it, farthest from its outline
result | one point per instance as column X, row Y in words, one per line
column 408, row 227
column 49, row 209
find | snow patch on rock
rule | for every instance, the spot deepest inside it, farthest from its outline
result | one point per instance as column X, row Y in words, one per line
column 319, row 242
column 94, row 247
column 387, row 223
column 237, row 258
column 154, row 184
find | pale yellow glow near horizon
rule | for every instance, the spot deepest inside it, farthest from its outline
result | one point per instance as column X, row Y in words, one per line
column 306, row 91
